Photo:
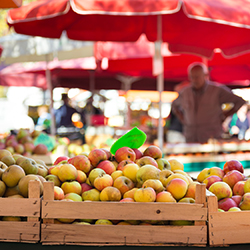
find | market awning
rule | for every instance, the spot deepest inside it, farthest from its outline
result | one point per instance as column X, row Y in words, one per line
column 6, row 4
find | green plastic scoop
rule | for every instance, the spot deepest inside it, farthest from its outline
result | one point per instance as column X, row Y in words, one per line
column 132, row 139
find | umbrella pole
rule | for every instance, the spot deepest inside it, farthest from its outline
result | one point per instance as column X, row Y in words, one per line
column 158, row 70
column 48, row 79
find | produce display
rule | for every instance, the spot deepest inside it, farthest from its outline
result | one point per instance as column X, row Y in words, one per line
column 230, row 185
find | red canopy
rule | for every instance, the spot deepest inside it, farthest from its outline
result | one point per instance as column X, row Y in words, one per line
column 196, row 26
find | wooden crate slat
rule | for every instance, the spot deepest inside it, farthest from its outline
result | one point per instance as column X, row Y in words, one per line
column 124, row 234
column 20, row 207
column 19, row 231
column 227, row 228
column 123, row 211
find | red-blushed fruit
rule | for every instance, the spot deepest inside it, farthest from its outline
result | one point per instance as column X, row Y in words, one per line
column 81, row 162
column 153, row 151
column 123, row 184
column 67, row 172
column 210, row 180
column 226, row 203
column 232, row 177
column 245, row 202
column 138, row 153
column 58, row 193
column 233, row 165
column 125, row 153
column 103, row 181
column 110, row 194
column 121, row 164
column 85, row 187
column 108, row 153
column 81, row 176
column 238, row 188
column 237, row 199
column 145, row 160
column 127, row 200
column 40, row 149
column 61, row 159
column 107, row 166
column 96, row 156
column 221, row 190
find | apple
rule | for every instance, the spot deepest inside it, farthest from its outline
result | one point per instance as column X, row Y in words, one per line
column 110, row 194
column 91, row 195
column 153, row 151
column 71, row 187
column 247, row 186
column 11, row 191
column 116, row 174
column 238, row 188
column 125, row 153
column 177, row 187
column 102, row 181
column 165, row 196
column 234, row 209
column 10, row 149
column 3, row 167
column 123, row 163
column 96, row 156
column 245, row 202
column 103, row 222
column 2, row 188
column 40, row 149
column 42, row 170
column 163, row 164
column 54, row 169
column 145, row 195
column 179, row 176
column 58, row 193
column 187, row 200
column 67, row 172
column 211, row 179
column 130, row 171
column 8, row 160
column 108, row 153
column 233, row 165
column 12, row 175
column 164, row 174
column 155, row 184
column 237, row 199
column 61, row 160
column 130, row 193
column 81, row 176
column 73, row 196
column 80, row 162
column 128, row 199
column 95, row 173
column 206, row 172
column 221, row 190
column 23, row 184
column 176, row 164
column 29, row 147
column 146, row 160
column 54, row 179
column 232, row 177
column 147, row 172
column 107, row 166
column 19, row 148
column 85, row 187
column 191, row 189
column 178, row 171
column 226, row 203
column 138, row 153
column 123, row 184
column 29, row 166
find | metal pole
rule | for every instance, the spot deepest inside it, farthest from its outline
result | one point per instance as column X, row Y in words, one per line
column 48, row 79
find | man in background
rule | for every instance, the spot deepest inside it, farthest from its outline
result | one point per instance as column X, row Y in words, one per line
column 199, row 106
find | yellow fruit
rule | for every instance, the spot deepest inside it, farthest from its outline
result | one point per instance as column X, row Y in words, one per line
column 175, row 164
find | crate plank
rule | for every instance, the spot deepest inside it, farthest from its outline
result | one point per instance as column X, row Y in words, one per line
column 123, row 211
column 123, row 234
column 227, row 228
column 19, row 231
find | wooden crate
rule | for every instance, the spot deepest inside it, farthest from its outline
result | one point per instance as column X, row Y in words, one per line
column 22, row 231
column 100, row 235
column 227, row 228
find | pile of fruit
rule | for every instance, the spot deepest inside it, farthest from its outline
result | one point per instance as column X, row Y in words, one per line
column 229, row 184
column 23, row 143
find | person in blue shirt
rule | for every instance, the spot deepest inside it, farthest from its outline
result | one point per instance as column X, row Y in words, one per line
column 63, row 115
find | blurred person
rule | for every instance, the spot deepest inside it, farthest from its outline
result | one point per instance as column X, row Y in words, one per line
column 63, row 115
column 240, row 123
column 199, row 106
column 43, row 121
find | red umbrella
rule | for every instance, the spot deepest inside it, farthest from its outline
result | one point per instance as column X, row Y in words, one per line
column 187, row 25
column 193, row 26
